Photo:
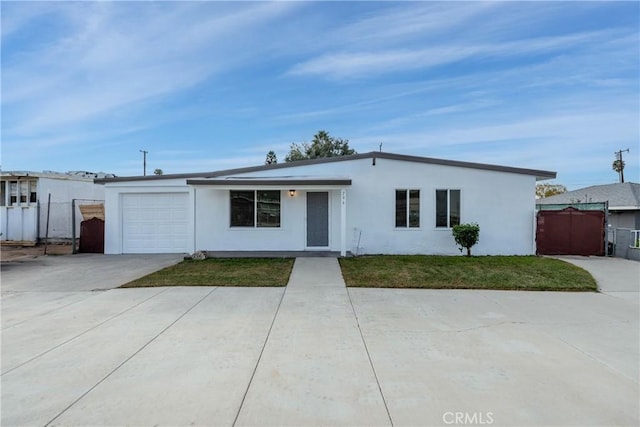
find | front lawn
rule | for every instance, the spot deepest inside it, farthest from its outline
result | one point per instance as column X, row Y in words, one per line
column 530, row 273
column 220, row 272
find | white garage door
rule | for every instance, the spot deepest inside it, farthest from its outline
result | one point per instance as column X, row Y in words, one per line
column 155, row 223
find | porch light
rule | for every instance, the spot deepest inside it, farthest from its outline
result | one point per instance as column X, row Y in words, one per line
column 292, row 193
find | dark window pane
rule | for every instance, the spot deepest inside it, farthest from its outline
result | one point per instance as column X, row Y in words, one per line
column 24, row 189
column 3, row 193
column 33, row 187
column 13, row 192
column 242, row 208
column 454, row 206
column 268, row 208
column 401, row 208
column 441, row 208
column 414, row 208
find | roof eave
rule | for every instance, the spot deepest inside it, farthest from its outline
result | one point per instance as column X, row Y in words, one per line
column 288, row 183
column 539, row 174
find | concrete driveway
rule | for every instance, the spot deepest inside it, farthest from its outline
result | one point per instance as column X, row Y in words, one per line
column 317, row 353
column 80, row 272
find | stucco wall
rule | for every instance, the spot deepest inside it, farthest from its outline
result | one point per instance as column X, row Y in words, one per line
column 217, row 235
column 27, row 222
column 63, row 191
column 503, row 204
column 113, row 197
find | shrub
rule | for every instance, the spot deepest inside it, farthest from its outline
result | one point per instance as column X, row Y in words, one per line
column 466, row 235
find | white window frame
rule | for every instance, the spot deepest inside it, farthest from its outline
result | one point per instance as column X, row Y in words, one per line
column 448, row 190
column 21, row 184
column 255, row 212
column 408, row 214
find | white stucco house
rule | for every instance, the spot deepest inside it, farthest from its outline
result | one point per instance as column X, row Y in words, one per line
column 371, row 203
column 23, row 203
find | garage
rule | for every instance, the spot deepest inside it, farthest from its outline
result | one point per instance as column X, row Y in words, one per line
column 155, row 223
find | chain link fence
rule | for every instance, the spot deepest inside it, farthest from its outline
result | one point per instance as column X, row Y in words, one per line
column 59, row 222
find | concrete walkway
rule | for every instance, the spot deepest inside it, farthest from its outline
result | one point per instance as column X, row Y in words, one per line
column 316, row 353
column 315, row 368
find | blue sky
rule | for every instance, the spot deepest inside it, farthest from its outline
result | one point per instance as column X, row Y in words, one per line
column 211, row 85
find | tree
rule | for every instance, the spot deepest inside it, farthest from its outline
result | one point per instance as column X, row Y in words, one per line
column 271, row 159
column 466, row 235
column 158, row 172
column 548, row 190
column 322, row 145
column 618, row 166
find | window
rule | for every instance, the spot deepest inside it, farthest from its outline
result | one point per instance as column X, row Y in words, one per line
column 407, row 208
column 447, row 208
column 3, row 193
column 33, row 191
column 268, row 208
column 13, row 192
column 24, row 191
column 242, row 208
column 255, row 208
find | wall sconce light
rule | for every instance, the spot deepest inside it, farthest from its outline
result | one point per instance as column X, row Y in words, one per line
column 292, row 193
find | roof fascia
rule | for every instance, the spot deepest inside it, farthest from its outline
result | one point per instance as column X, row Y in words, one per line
column 539, row 174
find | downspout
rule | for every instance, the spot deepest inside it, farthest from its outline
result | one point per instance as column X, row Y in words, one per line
column 38, row 222
column 195, row 204
column 343, row 222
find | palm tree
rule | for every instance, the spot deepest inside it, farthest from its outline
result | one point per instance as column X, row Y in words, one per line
column 618, row 166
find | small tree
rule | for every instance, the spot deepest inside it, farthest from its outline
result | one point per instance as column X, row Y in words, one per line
column 466, row 235
column 271, row 159
column 322, row 145
column 548, row 190
column 158, row 172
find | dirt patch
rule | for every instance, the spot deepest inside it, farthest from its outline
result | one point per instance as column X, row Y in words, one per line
column 15, row 253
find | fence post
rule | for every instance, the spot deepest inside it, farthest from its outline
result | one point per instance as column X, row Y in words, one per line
column 46, row 233
column 73, row 226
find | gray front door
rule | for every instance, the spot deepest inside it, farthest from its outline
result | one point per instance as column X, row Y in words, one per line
column 318, row 219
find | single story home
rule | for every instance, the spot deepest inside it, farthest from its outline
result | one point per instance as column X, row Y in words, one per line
column 24, row 203
column 371, row 203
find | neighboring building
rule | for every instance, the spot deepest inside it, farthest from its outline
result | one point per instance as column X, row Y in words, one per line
column 24, row 197
column 623, row 200
column 365, row 203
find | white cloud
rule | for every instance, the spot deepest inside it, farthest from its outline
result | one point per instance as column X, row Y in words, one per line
column 347, row 65
column 106, row 59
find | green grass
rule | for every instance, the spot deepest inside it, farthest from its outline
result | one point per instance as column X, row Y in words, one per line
column 529, row 273
column 220, row 272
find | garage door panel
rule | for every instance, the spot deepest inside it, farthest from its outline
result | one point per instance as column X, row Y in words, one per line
column 155, row 223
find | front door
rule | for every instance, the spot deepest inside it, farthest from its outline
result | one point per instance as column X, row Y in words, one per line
column 318, row 219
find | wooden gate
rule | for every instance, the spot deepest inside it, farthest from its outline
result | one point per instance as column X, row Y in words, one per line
column 570, row 232
column 92, row 236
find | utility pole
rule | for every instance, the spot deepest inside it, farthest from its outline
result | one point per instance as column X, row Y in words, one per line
column 621, row 164
column 144, row 162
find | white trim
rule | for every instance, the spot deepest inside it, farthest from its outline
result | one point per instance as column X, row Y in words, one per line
column 255, row 210
column 343, row 222
column 329, row 225
column 408, row 216
column 448, row 190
